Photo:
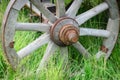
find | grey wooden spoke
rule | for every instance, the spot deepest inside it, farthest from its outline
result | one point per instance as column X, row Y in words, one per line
column 60, row 8
column 81, row 49
column 94, row 32
column 73, row 9
column 37, row 11
column 48, row 3
column 43, row 10
column 82, row 18
column 64, row 54
column 19, row 4
column 32, row 27
column 51, row 48
column 34, row 9
column 43, row 39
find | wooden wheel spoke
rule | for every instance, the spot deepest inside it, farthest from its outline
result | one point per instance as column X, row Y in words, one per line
column 60, row 8
column 37, row 11
column 94, row 32
column 20, row 4
column 51, row 48
column 43, row 10
column 73, row 9
column 32, row 27
column 81, row 49
column 34, row 45
column 82, row 18
column 34, row 9
column 64, row 54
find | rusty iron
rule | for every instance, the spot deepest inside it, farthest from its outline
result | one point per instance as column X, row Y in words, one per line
column 104, row 49
column 64, row 35
column 69, row 34
column 11, row 45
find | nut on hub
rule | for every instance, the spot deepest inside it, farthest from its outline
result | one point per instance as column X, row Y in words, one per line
column 69, row 34
column 65, row 31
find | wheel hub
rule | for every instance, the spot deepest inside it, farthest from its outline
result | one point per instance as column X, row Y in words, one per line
column 65, row 31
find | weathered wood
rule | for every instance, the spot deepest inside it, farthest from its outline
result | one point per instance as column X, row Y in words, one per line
column 51, row 48
column 43, row 39
column 113, row 27
column 48, row 4
column 82, row 18
column 60, row 8
column 19, row 4
column 34, row 9
column 64, row 55
column 44, row 11
column 37, row 11
column 8, row 32
column 113, row 8
column 10, row 25
column 32, row 27
column 73, row 9
column 94, row 32
column 118, row 2
column 12, row 57
column 81, row 49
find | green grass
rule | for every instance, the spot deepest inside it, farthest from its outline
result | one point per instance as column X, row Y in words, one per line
column 78, row 68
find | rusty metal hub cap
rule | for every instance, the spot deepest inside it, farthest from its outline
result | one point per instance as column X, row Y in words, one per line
column 65, row 31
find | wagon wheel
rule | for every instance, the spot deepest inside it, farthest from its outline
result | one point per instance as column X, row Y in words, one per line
column 61, row 30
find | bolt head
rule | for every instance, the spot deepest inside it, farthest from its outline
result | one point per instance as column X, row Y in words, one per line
column 73, row 37
column 69, row 34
